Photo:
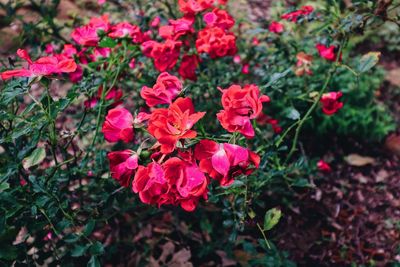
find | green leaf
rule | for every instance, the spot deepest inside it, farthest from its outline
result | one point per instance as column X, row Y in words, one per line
column 93, row 262
column 107, row 42
column 8, row 252
column 301, row 182
column 97, row 248
column 89, row 228
column 271, row 218
column 293, row 114
column 277, row 76
column 368, row 61
column 36, row 157
column 78, row 251
column 4, row 186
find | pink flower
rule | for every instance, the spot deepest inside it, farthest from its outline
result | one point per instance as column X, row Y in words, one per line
column 237, row 59
column 123, row 165
column 69, row 50
column 276, row 27
column 330, row 102
column 118, row 125
column 323, row 166
column 132, row 63
column 44, row 66
column 219, row 18
column 224, row 162
column 155, row 22
column 141, row 117
column 166, row 89
column 85, row 35
column 241, row 105
column 177, row 28
column 125, row 29
column 100, row 23
column 246, row 68
column 326, row 52
column 49, row 49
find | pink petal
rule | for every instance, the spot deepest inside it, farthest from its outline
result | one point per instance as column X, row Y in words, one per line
column 220, row 161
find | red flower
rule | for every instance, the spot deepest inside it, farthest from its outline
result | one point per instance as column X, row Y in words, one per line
column 44, row 66
column 224, row 162
column 293, row 16
column 114, row 94
column 123, row 165
column 85, row 35
column 240, row 106
column 176, row 182
column 194, row 6
column 219, row 18
column 188, row 182
column 177, row 28
column 330, row 102
column 166, row 89
column 276, row 27
column 216, row 42
column 151, row 185
column 165, row 55
column 188, row 67
column 100, row 23
column 125, row 29
column 326, row 52
column 118, row 125
column 169, row 125
column 323, row 166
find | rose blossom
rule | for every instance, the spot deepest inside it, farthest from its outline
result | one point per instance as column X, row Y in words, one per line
column 118, row 125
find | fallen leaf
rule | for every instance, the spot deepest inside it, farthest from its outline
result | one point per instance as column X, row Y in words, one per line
column 392, row 143
column 357, row 160
column 381, row 176
column 393, row 76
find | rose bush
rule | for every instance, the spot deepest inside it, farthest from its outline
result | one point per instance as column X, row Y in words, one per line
column 181, row 106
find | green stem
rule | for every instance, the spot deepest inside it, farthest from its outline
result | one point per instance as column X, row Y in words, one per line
column 264, row 236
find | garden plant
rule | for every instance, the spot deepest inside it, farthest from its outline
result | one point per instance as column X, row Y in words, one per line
column 175, row 133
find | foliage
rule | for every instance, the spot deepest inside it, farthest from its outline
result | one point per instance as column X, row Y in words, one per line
column 59, row 203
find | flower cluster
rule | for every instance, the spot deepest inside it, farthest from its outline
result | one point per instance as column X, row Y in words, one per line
column 179, row 172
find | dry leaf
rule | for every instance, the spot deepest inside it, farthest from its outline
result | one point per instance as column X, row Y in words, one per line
column 392, row 143
column 357, row 160
column 393, row 77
